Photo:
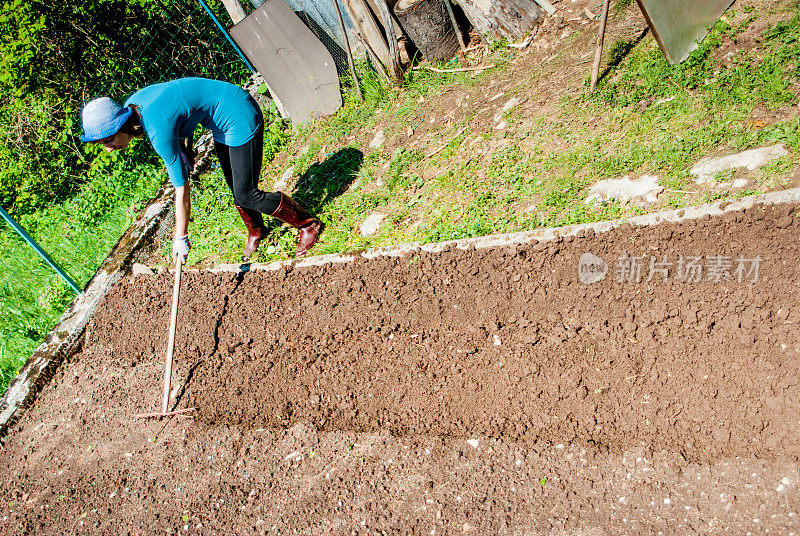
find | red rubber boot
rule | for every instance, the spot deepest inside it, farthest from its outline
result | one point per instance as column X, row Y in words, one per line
column 254, row 222
column 290, row 212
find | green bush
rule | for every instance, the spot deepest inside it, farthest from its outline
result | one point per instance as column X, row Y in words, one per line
column 21, row 28
column 39, row 160
column 78, row 234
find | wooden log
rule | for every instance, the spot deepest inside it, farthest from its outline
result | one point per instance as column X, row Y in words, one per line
column 498, row 19
column 455, row 70
column 428, row 25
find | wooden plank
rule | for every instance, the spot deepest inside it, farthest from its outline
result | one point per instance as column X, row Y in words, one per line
column 400, row 37
column 234, row 9
column 367, row 26
column 395, row 71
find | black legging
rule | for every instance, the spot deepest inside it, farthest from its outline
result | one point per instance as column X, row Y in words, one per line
column 242, row 166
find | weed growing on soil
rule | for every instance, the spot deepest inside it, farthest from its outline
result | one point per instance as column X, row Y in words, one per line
column 620, row 5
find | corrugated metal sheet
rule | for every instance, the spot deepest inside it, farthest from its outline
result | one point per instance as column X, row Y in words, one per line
column 298, row 69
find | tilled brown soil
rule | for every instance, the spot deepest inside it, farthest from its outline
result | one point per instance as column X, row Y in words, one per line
column 464, row 392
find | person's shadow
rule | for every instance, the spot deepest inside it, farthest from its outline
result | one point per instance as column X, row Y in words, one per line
column 325, row 181
column 322, row 183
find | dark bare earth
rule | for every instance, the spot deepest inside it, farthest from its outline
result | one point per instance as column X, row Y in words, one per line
column 468, row 392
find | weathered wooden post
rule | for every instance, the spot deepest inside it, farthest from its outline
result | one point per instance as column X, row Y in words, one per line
column 379, row 45
column 455, row 26
column 598, row 53
column 400, row 37
column 234, row 9
column 367, row 29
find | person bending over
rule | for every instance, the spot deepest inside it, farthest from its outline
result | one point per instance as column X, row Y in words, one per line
column 168, row 114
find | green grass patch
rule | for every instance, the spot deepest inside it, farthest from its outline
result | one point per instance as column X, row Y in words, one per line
column 78, row 235
column 647, row 116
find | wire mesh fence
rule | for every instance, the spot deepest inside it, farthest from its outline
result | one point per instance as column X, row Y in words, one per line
column 183, row 40
column 321, row 19
column 180, row 40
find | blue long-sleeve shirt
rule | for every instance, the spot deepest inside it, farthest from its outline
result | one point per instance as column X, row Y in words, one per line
column 171, row 111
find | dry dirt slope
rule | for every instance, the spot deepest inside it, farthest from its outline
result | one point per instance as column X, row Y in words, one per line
column 467, row 392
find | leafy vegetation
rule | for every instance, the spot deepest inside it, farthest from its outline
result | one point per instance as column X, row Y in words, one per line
column 78, row 234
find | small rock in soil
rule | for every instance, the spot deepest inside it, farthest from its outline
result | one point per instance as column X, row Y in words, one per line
column 282, row 183
column 141, row 269
column 377, row 141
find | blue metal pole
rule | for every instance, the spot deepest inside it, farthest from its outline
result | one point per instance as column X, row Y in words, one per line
column 227, row 35
column 42, row 253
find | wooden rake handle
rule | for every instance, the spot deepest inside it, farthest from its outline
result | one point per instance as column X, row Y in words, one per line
column 171, row 344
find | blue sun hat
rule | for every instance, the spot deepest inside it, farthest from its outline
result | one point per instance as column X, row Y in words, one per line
column 102, row 118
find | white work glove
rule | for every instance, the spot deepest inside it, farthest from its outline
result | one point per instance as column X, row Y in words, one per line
column 181, row 248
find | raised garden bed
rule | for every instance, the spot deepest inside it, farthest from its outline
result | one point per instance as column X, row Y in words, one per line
column 462, row 391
